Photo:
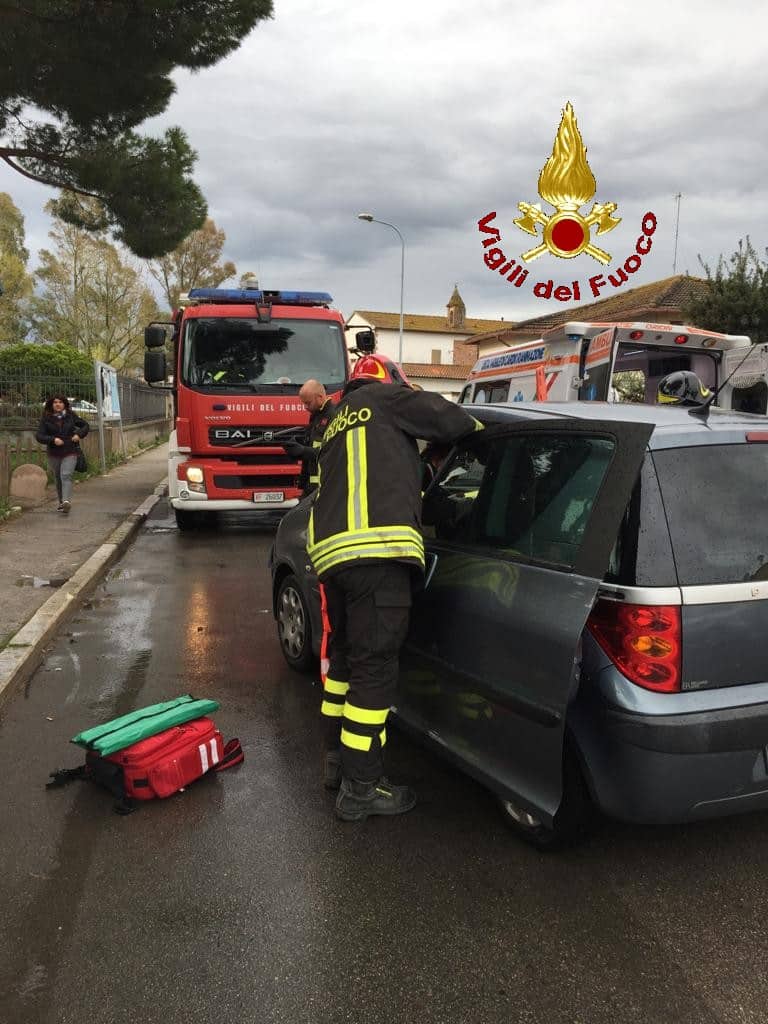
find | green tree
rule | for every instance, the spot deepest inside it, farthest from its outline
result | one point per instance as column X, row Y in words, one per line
column 57, row 360
column 734, row 299
column 91, row 299
column 193, row 264
column 77, row 77
column 16, row 283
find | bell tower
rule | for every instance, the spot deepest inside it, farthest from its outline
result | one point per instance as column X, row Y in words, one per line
column 457, row 311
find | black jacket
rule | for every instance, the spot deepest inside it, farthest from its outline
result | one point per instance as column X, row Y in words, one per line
column 368, row 503
column 52, row 427
column 310, row 448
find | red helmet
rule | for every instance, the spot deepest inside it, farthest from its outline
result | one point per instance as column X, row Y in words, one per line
column 380, row 368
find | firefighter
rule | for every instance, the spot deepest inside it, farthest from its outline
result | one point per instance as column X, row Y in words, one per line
column 320, row 408
column 364, row 540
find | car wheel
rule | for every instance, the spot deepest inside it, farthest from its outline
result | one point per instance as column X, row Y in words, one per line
column 573, row 821
column 185, row 519
column 294, row 626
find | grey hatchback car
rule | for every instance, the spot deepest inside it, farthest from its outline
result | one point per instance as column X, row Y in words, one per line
column 593, row 632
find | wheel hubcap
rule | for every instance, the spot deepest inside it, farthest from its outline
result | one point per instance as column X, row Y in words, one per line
column 292, row 623
column 520, row 816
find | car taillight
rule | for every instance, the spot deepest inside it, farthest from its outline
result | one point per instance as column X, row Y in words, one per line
column 643, row 640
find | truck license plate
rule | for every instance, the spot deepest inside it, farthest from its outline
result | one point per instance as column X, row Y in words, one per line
column 267, row 497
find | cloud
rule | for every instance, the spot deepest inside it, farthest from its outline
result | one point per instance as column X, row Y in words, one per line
column 431, row 115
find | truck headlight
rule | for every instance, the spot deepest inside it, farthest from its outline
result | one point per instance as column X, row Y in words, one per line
column 195, row 479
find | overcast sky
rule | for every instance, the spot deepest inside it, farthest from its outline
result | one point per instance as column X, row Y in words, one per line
column 430, row 115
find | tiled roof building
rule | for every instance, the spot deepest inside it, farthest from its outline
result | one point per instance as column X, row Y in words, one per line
column 660, row 302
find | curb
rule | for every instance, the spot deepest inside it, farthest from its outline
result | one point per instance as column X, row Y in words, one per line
column 24, row 651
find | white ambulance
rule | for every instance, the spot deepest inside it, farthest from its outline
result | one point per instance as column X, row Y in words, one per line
column 621, row 362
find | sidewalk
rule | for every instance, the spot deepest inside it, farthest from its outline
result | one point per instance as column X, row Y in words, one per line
column 44, row 545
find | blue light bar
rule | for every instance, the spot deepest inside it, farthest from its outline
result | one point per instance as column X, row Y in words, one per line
column 252, row 295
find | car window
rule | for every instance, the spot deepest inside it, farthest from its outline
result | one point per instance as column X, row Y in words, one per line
column 716, row 501
column 527, row 495
column 642, row 555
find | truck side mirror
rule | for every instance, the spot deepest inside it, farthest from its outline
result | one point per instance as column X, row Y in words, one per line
column 154, row 336
column 154, row 367
column 365, row 342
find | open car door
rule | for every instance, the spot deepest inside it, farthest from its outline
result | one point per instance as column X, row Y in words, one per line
column 596, row 370
column 519, row 526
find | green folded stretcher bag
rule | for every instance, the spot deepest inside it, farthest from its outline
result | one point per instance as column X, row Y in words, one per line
column 138, row 725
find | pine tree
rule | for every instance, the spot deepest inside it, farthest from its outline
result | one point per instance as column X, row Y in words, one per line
column 77, row 77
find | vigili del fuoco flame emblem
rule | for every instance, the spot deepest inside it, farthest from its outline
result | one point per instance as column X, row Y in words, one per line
column 567, row 183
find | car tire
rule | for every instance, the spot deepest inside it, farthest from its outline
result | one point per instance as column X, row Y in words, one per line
column 294, row 625
column 185, row 519
column 573, row 822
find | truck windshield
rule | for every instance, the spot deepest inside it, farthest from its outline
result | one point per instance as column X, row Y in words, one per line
column 236, row 353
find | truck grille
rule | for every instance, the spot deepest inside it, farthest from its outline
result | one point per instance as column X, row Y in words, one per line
column 254, row 483
column 252, row 436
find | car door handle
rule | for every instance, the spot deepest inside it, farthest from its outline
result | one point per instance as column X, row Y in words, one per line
column 430, row 564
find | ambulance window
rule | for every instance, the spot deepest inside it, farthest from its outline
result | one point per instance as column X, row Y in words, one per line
column 499, row 392
column 464, row 396
column 628, row 386
column 492, row 391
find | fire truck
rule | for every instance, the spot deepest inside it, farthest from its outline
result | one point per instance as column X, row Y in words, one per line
column 239, row 359
column 621, row 361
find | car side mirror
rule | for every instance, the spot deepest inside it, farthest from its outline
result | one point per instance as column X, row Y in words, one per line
column 154, row 336
column 154, row 367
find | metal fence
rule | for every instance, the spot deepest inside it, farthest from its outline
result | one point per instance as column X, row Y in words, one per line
column 23, row 394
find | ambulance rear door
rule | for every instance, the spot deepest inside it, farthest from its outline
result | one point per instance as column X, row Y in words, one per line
column 744, row 385
column 598, row 355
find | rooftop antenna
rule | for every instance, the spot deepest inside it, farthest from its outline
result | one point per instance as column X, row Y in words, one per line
column 678, row 197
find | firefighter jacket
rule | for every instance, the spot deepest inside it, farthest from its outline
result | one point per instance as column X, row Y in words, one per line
column 318, row 422
column 368, row 503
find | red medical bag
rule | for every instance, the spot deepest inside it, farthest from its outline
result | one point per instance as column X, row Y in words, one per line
column 159, row 765
column 163, row 764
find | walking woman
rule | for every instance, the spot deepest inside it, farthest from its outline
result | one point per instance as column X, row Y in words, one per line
column 62, row 432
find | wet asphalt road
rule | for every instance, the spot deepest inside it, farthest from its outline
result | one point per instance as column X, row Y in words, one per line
column 243, row 899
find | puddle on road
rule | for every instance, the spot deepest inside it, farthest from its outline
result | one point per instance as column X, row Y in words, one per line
column 119, row 574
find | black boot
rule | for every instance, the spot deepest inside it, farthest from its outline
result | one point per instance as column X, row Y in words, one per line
column 332, row 769
column 356, row 800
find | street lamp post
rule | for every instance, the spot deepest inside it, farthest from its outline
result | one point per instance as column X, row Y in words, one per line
column 372, row 220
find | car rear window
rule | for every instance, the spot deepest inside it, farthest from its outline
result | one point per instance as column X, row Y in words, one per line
column 716, row 501
column 642, row 556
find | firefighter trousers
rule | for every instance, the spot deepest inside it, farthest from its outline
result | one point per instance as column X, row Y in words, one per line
column 368, row 607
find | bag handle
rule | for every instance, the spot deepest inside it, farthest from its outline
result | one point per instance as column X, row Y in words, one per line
column 232, row 755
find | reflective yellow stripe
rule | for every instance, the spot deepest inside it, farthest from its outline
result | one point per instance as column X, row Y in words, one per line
column 357, row 480
column 365, row 716
column 334, row 686
column 478, row 424
column 383, row 737
column 403, row 551
column 351, row 739
column 331, row 710
column 311, row 528
column 376, row 534
column 315, row 479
